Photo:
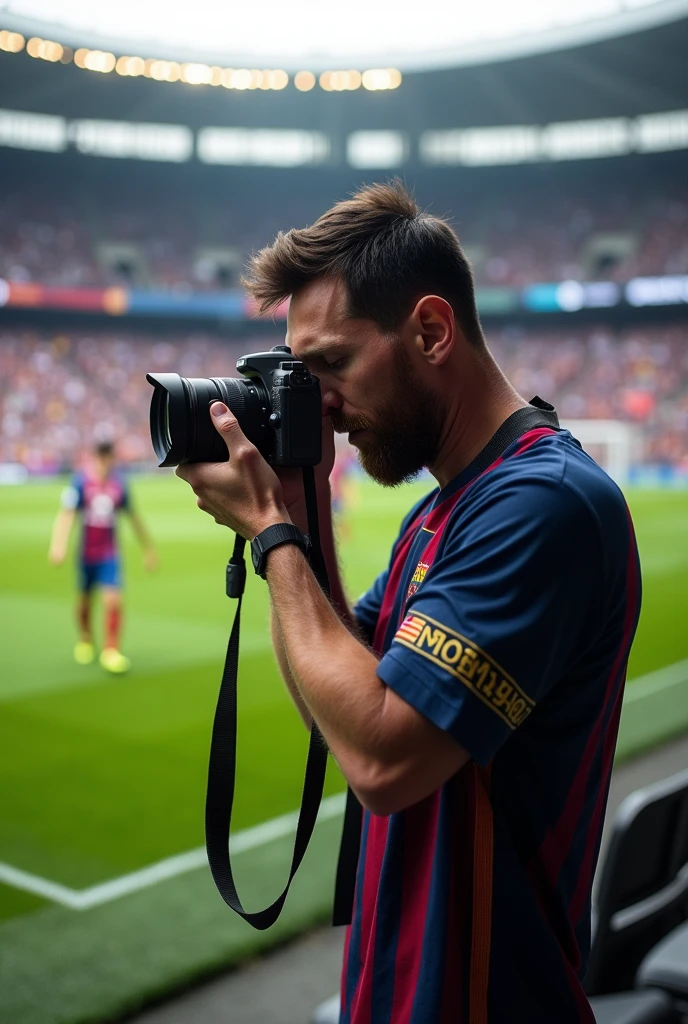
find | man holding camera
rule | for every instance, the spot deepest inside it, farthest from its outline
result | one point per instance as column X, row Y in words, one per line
column 472, row 696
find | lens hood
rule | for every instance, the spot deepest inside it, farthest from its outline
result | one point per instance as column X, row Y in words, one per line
column 169, row 418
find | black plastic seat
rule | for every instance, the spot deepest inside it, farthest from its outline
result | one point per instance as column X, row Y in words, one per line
column 643, row 890
column 648, row 1007
column 666, row 966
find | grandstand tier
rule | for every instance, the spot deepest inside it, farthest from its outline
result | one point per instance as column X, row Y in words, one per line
column 91, row 385
column 128, row 210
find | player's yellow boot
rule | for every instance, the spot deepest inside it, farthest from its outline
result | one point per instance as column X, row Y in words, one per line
column 84, row 653
column 114, row 661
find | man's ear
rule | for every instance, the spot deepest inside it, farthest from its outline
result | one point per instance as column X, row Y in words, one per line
column 434, row 329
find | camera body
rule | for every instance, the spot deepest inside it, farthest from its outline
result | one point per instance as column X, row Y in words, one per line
column 276, row 402
column 294, row 398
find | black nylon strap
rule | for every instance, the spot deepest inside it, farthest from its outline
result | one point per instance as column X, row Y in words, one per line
column 222, row 763
column 537, row 413
column 347, row 864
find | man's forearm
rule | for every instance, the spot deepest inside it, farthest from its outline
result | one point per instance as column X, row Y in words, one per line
column 338, row 597
column 62, row 528
column 285, row 670
column 334, row 673
column 329, row 550
column 140, row 531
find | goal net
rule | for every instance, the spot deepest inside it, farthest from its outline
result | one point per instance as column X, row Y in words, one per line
column 615, row 445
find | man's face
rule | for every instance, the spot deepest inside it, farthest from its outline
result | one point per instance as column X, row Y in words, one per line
column 103, row 464
column 370, row 383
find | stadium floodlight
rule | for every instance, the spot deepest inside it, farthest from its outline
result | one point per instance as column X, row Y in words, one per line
column 379, row 150
column 564, row 140
column 269, row 147
column 481, row 146
column 33, row 131
column 655, row 133
column 168, row 142
column 315, row 35
column 571, row 140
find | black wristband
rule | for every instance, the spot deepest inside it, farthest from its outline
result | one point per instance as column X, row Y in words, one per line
column 280, row 533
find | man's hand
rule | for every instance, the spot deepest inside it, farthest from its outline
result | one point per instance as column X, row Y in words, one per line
column 244, row 493
column 59, row 539
column 150, row 560
column 57, row 555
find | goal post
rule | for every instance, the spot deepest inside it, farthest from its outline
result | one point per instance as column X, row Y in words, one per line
column 616, row 446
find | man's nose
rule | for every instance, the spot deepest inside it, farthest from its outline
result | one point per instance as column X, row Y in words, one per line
column 331, row 400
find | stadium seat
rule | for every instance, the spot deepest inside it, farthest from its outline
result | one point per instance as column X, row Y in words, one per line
column 643, row 891
column 634, row 1008
column 666, row 966
column 327, row 1012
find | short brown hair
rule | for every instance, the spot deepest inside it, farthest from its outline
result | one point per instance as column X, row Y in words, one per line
column 385, row 249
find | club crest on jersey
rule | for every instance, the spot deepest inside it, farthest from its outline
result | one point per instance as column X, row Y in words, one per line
column 417, row 578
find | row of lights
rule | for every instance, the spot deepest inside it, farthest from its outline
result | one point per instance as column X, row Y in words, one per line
column 104, row 62
column 342, row 81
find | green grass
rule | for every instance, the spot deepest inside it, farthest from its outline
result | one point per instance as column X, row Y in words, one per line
column 105, row 775
column 101, row 776
column 661, row 525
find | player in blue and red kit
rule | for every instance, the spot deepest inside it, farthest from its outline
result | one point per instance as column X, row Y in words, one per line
column 472, row 696
column 99, row 494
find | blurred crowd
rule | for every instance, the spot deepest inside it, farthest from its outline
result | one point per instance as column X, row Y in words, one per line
column 61, row 392
column 638, row 375
column 613, row 239
column 181, row 246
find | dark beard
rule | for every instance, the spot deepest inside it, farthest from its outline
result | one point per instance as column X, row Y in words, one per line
column 407, row 428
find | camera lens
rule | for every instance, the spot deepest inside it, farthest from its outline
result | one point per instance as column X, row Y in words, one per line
column 168, row 436
column 180, row 423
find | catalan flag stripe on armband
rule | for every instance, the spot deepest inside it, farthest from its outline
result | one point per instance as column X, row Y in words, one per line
column 410, row 629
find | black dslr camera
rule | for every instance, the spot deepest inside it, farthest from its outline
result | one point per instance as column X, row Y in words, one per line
column 277, row 405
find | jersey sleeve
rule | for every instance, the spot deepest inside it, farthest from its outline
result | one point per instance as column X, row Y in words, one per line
column 507, row 605
column 367, row 608
column 72, row 497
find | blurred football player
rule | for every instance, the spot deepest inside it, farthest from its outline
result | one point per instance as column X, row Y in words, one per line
column 341, row 484
column 99, row 494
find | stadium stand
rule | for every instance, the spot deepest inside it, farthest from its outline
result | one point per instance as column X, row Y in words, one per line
column 92, row 384
column 588, row 237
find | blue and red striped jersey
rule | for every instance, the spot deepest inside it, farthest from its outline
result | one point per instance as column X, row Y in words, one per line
column 99, row 501
column 506, row 618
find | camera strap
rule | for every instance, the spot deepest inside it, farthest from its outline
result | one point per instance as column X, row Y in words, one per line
column 223, row 744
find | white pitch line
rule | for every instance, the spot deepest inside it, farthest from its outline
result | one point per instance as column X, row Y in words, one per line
column 84, row 899
column 653, row 682
column 39, row 886
column 250, row 838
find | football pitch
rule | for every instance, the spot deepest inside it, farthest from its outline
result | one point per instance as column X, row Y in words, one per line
column 105, row 901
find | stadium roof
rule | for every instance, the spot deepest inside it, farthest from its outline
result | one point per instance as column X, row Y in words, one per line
column 317, row 35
